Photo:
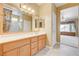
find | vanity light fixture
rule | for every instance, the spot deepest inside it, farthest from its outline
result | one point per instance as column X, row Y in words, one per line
column 27, row 9
column 24, row 6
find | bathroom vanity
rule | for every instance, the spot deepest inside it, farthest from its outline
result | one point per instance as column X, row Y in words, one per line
column 22, row 44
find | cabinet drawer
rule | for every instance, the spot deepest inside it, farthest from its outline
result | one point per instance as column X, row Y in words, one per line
column 34, row 51
column 15, row 44
column 34, row 39
column 34, row 44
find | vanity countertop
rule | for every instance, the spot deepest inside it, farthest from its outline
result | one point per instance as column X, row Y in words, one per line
column 13, row 37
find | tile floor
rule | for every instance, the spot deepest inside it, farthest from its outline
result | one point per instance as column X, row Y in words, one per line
column 63, row 50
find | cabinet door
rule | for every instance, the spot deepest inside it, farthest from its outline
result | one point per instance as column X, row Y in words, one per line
column 11, row 53
column 40, row 45
column 25, row 50
column 0, row 50
column 42, row 41
column 34, row 51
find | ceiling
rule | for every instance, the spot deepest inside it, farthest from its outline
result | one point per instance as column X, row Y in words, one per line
column 39, row 4
column 57, row 4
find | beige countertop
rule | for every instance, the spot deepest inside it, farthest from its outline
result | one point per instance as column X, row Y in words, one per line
column 13, row 37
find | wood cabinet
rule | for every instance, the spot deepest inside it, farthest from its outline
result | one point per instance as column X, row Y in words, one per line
column 40, row 45
column 1, row 52
column 23, row 47
column 42, row 42
column 13, row 52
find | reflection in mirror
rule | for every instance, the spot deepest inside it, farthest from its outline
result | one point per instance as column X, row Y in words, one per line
column 7, row 19
column 36, row 22
column 15, row 21
column 69, row 21
column 15, row 25
column 41, row 23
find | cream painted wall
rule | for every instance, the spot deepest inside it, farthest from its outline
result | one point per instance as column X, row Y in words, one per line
column 46, row 12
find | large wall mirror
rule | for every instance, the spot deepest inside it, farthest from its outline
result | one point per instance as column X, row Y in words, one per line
column 15, row 21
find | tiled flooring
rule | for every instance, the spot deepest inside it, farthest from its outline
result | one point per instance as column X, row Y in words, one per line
column 63, row 50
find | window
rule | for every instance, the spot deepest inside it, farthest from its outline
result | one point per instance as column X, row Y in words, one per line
column 67, row 27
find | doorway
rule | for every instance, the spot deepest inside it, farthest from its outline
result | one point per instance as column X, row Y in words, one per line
column 67, row 21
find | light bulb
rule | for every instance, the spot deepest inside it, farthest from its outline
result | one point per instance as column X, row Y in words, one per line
column 32, row 11
column 24, row 6
column 29, row 9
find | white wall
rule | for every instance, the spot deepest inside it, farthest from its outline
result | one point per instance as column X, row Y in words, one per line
column 78, row 21
column 53, row 25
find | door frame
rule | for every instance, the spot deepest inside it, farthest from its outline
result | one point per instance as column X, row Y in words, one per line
column 58, row 9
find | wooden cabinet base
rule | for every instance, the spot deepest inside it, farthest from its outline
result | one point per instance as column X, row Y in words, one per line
column 24, row 47
column 11, row 53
